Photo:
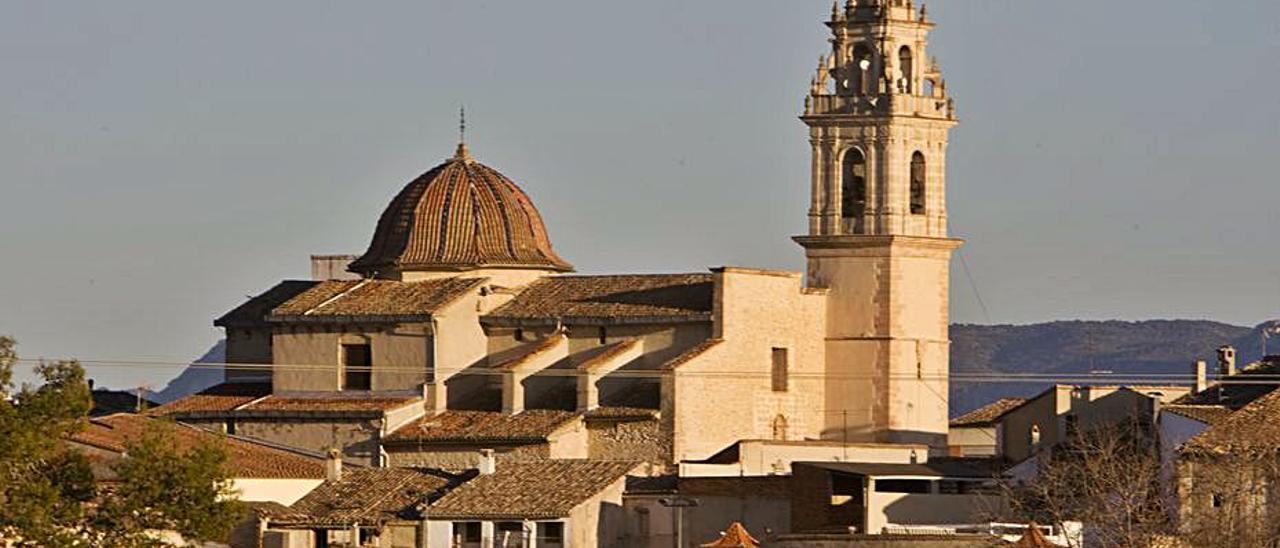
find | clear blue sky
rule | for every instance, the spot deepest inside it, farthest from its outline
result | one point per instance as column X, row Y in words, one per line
column 160, row 161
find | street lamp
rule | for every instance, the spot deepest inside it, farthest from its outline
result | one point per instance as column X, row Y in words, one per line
column 679, row 503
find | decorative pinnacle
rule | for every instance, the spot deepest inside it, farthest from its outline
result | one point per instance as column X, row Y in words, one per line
column 463, row 153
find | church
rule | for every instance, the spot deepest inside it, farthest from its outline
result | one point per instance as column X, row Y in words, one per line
column 461, row 328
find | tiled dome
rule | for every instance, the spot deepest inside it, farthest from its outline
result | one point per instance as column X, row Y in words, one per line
column 462, row 215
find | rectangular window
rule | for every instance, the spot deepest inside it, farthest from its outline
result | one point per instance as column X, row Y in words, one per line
column 466, row 531
column 919, row 487
column 357, row 367
column 550, row 533
column 510, row 534
column 780, row 366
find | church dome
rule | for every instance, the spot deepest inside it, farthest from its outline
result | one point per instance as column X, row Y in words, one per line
column 462, row 215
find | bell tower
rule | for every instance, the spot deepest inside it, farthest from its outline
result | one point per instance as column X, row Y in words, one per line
column 879, row 116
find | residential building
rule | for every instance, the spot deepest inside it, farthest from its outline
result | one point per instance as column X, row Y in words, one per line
column 980, row 433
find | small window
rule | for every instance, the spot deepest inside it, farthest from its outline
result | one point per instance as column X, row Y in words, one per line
column 550, row 532
column 604, row 335
column 780, row 428
column 510, row 534
column 466, row 531
column 780, row 367
column 642, row 522
column 357, row 367
column 519, row 335
column 908, row 70
column 853, row 184
column 918, row 174
column 1218, row 500
column 1035, row 435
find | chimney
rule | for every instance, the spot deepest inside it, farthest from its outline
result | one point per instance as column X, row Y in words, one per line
column 1202, row 382
column 1226, row 361
column 333, row 465
column 487, row 463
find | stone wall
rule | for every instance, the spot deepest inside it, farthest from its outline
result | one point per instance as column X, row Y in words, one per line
column 726, row 394
column 463, row 457
column 629, row 440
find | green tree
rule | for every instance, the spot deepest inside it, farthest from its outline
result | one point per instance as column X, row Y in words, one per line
column 163, row 488
column 47, row 492
column 43, row 486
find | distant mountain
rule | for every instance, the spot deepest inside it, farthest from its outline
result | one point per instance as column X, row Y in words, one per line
column 195, row 379
column 1079, row 348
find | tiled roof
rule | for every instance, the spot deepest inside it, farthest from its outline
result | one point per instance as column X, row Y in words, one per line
column 1254, row 429
column 519, row 355
column 339, row 402
column 621, row 413
column 341, row 299
column 1236, row 392
column 1033, row 538
column 253, row 312
column 1208, row 414
column 368, row 496
column 546, row 489
column 247, row 459
column 607, row 354
column 461, row 215
column 988, row 414
column 689, row 355
column 736, row 536
column 531, row 426
column 248, row 398
column 657, row 297
column 219, row 398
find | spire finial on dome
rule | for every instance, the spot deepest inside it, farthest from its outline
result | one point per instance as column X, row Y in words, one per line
column 463, row 153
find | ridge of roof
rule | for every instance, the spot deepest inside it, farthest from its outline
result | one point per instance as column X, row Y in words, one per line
column 989, row 413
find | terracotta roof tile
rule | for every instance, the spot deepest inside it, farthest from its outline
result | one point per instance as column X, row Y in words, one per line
column 517, row 356
column 383, row 298
column 607, row 353
column 1033, row 538
column 248, row 459
column 531, row 426
column 659, row 297
column 461, row 215
column 689, row 355
column 218, row 398
column 621, row 413
column 337, row 402
column 369, row 496
column 1208, row 414
column 531, row 490
column 253, row 313
column 1254, row 429
column 736, row 536
column 988, row 414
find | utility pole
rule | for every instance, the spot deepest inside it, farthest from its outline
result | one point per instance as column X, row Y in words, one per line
column 679, row 503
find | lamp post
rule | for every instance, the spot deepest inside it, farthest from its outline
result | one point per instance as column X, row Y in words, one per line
column 679, row 503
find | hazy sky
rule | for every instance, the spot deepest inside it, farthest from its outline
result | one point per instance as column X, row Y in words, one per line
column 160, row 161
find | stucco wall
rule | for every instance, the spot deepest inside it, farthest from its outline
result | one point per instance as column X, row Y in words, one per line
column 1047, row 411
column 726, row 394
column 283, row 491
column 357, row 438
column 400, row 356
column 248, row 346
column 982, row 441
column 889, row 342
column 600, row 521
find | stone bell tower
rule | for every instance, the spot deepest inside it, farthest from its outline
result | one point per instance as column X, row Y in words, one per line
column 879, row 116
